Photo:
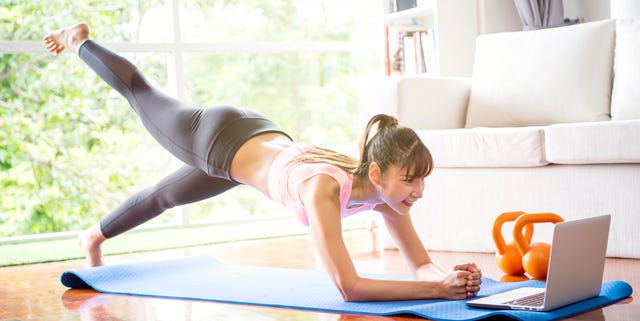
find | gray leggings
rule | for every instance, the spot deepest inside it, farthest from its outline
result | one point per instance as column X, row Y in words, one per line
column 204, row 139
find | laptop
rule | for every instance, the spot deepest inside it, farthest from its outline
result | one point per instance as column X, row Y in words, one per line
column 576, row 266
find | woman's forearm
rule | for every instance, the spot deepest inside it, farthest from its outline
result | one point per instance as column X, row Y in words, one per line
column 366, row 289
column 454, row 285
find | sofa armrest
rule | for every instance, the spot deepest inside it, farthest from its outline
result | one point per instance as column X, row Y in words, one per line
column 425, row 102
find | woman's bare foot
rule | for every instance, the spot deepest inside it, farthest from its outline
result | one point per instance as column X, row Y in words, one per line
column 71, row 37
column 90, row 242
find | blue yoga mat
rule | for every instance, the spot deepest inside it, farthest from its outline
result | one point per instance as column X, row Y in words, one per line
column 204, row 278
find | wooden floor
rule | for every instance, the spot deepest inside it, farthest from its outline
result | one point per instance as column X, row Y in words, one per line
column 33, row 292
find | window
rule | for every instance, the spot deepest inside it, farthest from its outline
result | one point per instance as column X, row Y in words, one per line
column 72, row 149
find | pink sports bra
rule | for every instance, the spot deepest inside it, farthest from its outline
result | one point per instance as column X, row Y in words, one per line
column 285, row 178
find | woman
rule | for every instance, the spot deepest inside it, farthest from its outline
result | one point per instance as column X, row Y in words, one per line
column 223, row 147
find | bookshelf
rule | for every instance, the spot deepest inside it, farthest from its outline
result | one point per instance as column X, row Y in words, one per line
column 436, row 37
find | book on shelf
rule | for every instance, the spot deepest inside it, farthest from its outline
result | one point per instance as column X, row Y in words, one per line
column 391, row 6
column 405, row 4
column 409, row 52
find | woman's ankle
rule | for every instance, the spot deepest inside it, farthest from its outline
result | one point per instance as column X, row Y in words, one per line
column 90, row 242
column 77, row 35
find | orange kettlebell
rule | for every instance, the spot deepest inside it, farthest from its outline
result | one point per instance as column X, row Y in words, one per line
column 508, row 257
column 535, row 256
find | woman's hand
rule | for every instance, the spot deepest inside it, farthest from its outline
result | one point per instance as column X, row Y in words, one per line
column 454, row 285
column 462, row 283
column 474, row 278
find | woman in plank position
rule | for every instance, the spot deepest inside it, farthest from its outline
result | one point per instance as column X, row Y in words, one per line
column 224, row 146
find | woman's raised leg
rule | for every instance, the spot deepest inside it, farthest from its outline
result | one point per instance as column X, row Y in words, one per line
column 174, row 124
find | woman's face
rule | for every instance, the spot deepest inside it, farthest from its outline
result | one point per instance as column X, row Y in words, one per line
column 400, row 191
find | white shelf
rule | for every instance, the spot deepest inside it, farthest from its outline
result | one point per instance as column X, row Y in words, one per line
column 420, row 16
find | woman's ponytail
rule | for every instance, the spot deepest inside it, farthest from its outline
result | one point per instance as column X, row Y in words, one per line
column 383, row 122
column 392, row 144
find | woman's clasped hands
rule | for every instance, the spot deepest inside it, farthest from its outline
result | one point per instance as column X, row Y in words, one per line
column 462, row 282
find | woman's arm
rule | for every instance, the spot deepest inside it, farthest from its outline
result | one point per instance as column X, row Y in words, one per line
column 401, row 229
column 320, row 195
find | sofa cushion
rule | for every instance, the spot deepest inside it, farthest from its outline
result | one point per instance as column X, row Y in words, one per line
column 593, row 142
column 543, row 77
column 433, row 102
column 625, row 100
column 486, row 147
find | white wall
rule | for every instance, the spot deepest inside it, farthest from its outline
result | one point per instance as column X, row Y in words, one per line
column 621, row 9
column 498, row 16
column 589, row 10
column 456, row 25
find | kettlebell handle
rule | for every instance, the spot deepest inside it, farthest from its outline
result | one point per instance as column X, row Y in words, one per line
column 526, row 220
column 496, row 233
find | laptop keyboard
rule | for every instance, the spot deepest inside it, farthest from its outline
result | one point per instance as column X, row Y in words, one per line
column 534, row 300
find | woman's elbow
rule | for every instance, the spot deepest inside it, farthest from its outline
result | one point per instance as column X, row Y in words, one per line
column 351, row 297
column 350, row 293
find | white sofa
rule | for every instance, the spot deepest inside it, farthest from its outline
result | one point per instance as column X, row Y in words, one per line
column 549, row 122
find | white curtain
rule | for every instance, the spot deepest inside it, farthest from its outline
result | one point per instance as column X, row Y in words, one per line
column 539, row 14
